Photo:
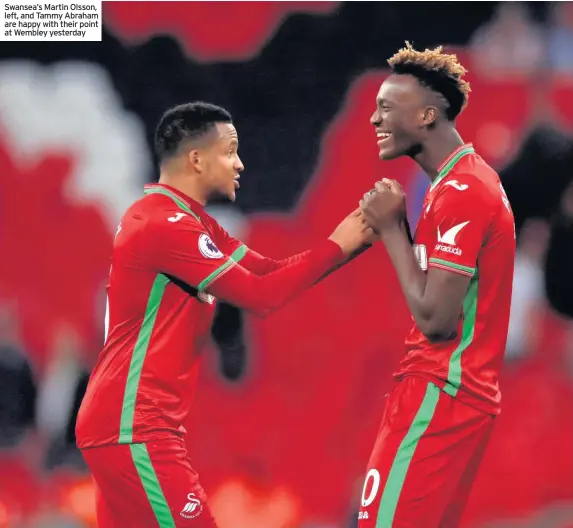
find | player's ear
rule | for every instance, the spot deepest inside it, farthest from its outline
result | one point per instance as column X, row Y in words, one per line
column 195, row 160
column 430, row 115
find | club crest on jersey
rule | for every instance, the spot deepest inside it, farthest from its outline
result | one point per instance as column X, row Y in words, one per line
column 193, row 508
column 208, row 248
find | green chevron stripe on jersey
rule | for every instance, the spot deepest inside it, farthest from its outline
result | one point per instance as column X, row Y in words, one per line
column 177, row 200
column 399, row 470
column 151, row 486
column 451, row 164
column 137, row 359
column 468, row 329
column 237, row 255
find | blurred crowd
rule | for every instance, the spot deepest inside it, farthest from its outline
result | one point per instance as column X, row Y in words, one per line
column 515, row 44
column 43, row 482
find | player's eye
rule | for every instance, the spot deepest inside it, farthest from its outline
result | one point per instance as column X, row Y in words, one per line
column 385, row 107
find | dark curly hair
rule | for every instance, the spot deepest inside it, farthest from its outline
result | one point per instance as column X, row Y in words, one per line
column 437, row 71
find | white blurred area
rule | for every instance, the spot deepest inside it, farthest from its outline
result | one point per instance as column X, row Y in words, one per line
column 72, row 108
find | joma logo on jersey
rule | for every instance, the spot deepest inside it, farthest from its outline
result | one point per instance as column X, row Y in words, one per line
column 176, row 218
column 447, row 241
column 456, row 185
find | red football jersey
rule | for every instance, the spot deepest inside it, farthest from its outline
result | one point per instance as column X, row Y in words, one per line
column 170, row 261
column 467, row 227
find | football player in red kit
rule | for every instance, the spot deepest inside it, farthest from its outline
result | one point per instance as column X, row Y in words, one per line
column 457, row 281
column 170, row 262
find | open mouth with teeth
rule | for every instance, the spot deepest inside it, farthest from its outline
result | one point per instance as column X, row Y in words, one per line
column 383, row 137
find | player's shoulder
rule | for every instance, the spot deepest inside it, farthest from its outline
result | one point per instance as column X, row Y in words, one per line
column 472, row 181
column 161, row 212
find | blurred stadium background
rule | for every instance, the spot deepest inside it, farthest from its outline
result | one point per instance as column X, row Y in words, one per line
column 288, row 407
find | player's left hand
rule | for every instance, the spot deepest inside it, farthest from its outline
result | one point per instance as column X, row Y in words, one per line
column 384, row 206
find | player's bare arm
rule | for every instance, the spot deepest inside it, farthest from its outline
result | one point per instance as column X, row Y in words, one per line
column 436, row 298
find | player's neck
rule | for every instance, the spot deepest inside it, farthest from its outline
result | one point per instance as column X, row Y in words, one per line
column 188, row 186
column 437, row 149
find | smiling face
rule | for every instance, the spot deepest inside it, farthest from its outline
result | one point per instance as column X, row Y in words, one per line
column 402, row 116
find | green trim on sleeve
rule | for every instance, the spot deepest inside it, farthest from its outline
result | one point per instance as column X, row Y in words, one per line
column 236, row 257
column 452, row 265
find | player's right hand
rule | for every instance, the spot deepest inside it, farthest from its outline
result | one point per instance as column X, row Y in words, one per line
column 353, row 233
column 384, row 206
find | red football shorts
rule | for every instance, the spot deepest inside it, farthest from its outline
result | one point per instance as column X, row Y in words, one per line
column 425, row 459
column 147, row 485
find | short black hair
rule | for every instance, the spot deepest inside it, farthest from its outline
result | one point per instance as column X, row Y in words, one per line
column 440, row 72
column 186, row 122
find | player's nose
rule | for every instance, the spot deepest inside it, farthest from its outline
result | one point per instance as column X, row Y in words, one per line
column 375, row 119
column 239, row 167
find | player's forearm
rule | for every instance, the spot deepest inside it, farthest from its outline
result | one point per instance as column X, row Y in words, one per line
column 260, row 265
column 411, row 277
column 357, row 253
column 264, row 294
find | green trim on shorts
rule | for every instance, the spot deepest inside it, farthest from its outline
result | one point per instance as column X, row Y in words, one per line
column 151, row 485
column 404, row 455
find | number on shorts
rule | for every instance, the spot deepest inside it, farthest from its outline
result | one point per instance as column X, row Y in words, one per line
column 106, row 320
column 375, row 475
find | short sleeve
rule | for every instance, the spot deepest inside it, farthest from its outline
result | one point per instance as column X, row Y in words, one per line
column 461, row 216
